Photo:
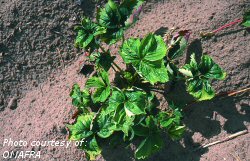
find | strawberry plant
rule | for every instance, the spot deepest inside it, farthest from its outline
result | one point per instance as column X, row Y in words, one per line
column 128, row 108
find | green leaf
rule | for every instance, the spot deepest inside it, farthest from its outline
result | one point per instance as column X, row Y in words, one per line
column 170, row 118
column 140, row 130
column 99, row 30
column 127, row 124
column 152, row 102
column 80, row 99
column 152, row 142
column 116, row 99
column 191, row 69
column 125, row 105
column 112, row 35
column 105, row 77
column 246, row 19
column 104, row 61
column 94, row 56
column 114, row 18
column 102, row 85
column 133, row 102
column 105, row 124
column 87, row 33
column 200, row 89
column 149, row 146
column 91, row 148
column 82, row 128
column 122, row 121
column 130, row 51
column 199, row 76
column 152, row 48
column 109, row 17
column 95, row 82
column 209, row 69
column 165, row 120
column 130, row 10
column 176, row 132
column 128, row 76
column 101, row 94
column 146, row 56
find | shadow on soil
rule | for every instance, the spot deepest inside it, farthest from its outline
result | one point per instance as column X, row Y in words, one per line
column 233, row 32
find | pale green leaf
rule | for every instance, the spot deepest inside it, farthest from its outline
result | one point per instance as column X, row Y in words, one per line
column 91, row 148
column 82, row 128
column 200, row 89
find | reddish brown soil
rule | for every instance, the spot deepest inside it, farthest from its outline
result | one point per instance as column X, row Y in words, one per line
column 40, row 76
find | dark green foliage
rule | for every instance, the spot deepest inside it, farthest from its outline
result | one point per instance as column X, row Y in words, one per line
column 199, row 77
column 116, row 18
column 80, row 98
column 87, row 34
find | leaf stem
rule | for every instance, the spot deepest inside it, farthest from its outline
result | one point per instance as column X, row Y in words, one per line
column 223, row 140
column 227, row 25
column 232, row 93
column 212, row 33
